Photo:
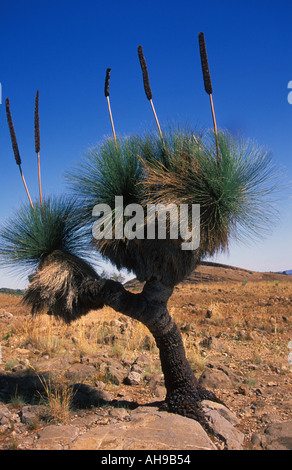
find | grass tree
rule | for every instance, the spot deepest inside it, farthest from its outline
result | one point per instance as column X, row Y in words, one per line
column 234, row 202
column 172, row 168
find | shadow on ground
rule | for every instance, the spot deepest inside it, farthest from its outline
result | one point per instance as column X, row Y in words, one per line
column 30, row 389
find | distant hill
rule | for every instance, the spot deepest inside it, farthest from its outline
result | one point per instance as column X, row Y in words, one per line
column 208, row 271
column 6, row 290
column 205, row 272
column 216, row 272
column 288, row 271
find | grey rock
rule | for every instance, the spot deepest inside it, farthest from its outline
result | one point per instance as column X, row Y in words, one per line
column 8, row 420
column 277, row 436
column 113, row 371
column 133, row 378
column 56, row 437
column 235, row 377
column 148, row 429
column 268, row 418
column 100, row 385
column 142, row 360
column 258, row 441
column 115, row 375
column 136, row 368
column 156, row 385
column 5, row 416
column 159, row 391
column 119, row 413
column 29, row 414
column 154, row 380
column 86, row 420
column 222, row 421
column 80, row 371
column 209, row 406
column 215, row 379
column 210, row 343
column 87, row 396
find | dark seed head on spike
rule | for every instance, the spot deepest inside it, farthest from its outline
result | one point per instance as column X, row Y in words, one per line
column 205, row 66
column 106, row 84
column 37, row 124
column 107, row 80
column 145, row 73
column 12, row 133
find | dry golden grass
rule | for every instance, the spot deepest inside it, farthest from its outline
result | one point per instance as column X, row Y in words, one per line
column 252, row 321
column 249, row 313
column 57, row 400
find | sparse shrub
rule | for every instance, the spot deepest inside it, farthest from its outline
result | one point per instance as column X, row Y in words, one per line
column 11, row 363
column 250, row 381
column 57, row 400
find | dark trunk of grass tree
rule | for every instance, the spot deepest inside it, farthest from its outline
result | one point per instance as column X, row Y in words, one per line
column 184, row 393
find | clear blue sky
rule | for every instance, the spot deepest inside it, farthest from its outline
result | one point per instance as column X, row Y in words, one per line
column 63, row 48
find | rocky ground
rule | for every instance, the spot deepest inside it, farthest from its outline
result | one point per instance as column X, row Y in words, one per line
column 97, row 384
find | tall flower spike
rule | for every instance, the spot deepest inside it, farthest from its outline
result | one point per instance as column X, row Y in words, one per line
column 205, row 65
column 208, row 85
column 15, row 147
column 37, row 124
column 145, row 73
column 106, row 94
column 12, row 133
column 38, row 142
column 147, row 85
column 107, row 80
